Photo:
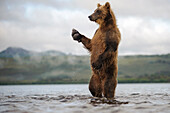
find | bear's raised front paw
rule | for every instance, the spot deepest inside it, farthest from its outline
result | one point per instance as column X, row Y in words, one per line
column 97, row 65
column 76, row 35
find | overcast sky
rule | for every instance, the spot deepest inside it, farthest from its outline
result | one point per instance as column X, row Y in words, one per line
column 41, row 25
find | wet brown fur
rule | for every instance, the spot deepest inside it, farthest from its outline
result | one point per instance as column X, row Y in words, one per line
column 104, row 52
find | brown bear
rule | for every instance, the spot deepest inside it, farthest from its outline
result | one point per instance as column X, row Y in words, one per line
column 104, row 51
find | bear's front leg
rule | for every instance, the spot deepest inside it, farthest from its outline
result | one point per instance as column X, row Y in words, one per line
column 81, row 38
column 97, row 64
column 103, row 57
column 76, row 35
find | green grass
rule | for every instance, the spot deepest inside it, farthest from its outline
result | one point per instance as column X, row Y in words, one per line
column 76, row 69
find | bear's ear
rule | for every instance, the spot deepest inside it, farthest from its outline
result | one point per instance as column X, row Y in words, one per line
column 107, row 5
column 98, row 5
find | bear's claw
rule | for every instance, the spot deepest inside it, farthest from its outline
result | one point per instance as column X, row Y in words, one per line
column 76, row 35
column 74, row 32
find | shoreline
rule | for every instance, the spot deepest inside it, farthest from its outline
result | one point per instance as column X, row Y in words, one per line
column 1, row 84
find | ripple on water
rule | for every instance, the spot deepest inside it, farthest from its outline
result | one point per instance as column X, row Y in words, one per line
column 51, row 101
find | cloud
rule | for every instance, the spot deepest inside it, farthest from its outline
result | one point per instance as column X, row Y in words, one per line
column 44, row 29
column 43, row 25
column 144, row 36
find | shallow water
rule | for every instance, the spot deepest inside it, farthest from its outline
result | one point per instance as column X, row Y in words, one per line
column 137, row 98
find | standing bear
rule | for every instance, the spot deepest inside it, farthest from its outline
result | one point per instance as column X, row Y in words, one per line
column 103, row 48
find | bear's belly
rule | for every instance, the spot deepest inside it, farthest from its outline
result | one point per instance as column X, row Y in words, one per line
column 108, row 63
column 97, row 50
column 98, row 47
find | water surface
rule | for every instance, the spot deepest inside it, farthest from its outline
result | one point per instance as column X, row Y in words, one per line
column 137, row 98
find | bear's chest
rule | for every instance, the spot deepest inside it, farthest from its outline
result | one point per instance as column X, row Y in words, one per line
column 98, row 39
column 98, row 43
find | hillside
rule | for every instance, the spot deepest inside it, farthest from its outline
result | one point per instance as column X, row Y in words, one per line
column 20, row 52
column 26, row 67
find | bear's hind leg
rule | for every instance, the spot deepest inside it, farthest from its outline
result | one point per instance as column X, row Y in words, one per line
column 109, row 86
column 95, row 86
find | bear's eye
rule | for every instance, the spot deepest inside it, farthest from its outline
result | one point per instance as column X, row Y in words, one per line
column 98, row 11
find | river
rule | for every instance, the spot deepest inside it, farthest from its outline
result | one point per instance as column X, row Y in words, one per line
column 130, row 98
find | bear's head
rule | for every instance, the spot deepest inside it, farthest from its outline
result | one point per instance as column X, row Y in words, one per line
column 101, row 14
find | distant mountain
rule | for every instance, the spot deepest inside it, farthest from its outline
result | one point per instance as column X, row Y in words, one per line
column 16, row 51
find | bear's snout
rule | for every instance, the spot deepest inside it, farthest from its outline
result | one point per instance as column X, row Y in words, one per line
column 90, row 17
column 93, row 17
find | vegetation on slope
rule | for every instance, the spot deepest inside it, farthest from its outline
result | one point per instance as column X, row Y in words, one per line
column 19, row 66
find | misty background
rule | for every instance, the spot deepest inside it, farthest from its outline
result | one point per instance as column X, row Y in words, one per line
column 40, row 25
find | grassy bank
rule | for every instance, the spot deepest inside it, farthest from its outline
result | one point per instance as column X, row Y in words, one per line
column 70, row 69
